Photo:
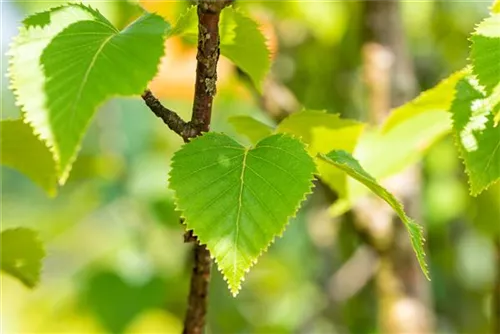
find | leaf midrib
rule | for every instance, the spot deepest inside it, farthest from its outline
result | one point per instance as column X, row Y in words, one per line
column 238, row 214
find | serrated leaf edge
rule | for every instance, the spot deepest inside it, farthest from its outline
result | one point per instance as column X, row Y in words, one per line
column 235, row 289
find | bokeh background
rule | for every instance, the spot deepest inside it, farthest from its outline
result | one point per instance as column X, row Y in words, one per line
column 116, row 259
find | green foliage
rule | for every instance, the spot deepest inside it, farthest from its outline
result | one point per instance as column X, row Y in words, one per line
column 251, row 128
column 476, row 135
column 116, row 302
column 436, row 99
column 351, row 166
column 23, row 151
column 69, row 60
column 240, row 40
column 485, row 52
column 237, row 200
column 22, row 255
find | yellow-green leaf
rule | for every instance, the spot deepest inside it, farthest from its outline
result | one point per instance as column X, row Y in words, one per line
column 237, row 199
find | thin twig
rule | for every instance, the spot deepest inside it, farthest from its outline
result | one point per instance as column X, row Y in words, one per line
column 169, row 117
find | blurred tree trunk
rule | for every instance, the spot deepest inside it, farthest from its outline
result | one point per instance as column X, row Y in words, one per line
column 403, row 293
column 496, row 292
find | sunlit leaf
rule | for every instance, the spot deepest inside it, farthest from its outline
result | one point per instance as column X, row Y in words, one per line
column 251, row 128
column 485, row 52
column 496, row 7
column 476, row 135
column 237, row 199
column 241, row 40
column 346, row 162
column 22, row 255
column 67, row 61
column 23, row 151
column 438, row 98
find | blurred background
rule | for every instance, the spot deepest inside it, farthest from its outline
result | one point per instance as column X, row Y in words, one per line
column 116, row 261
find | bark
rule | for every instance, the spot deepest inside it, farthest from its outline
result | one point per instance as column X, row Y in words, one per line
column 205, row 89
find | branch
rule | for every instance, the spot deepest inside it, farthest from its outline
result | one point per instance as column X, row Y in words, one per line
column 205, row 89
column 169, row 117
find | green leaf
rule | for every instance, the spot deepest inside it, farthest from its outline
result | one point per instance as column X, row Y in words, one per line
column 346, row 162
column 241, row 40
column 22, row 255
column 251, row 128
column 476, row 135
column 68, row 61
column 324, row 132
column 436, row 99
column 485, row 52
column 22, row 150
column 245, row 45
column 237, row 200
column 496, row 7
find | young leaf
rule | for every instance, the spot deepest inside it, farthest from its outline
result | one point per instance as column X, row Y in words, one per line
column 436, row 99
column 22, row 255
column 485, row 52
column 346, row 162
column 22, row 150
column 476, row 135
column 62, row 69
column 251, row 128
column 241, row 41
column 237, row 200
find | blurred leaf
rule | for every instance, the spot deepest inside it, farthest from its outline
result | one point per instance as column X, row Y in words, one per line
column 22, row 255
column 251, row 128
column 243, row 43
column 241, row 40
column 351, row 166
column 22, row 150
column 117, row 303
column 496, row 7
column 237, row 200
column 487, row 206
column 438, row 98
column 155, row 321
column 476, row 136
column 485, row 52
column 83, row 65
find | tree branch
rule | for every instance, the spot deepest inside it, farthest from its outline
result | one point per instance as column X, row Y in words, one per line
column 205, row 89
column 169, row 117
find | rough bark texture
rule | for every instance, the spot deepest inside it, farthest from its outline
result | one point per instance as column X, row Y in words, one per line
column 206, row 68
column 205, row 89
column 389, row 77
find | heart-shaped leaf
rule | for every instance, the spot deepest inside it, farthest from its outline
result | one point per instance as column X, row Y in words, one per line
column 237, row 200
column 66, row 61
